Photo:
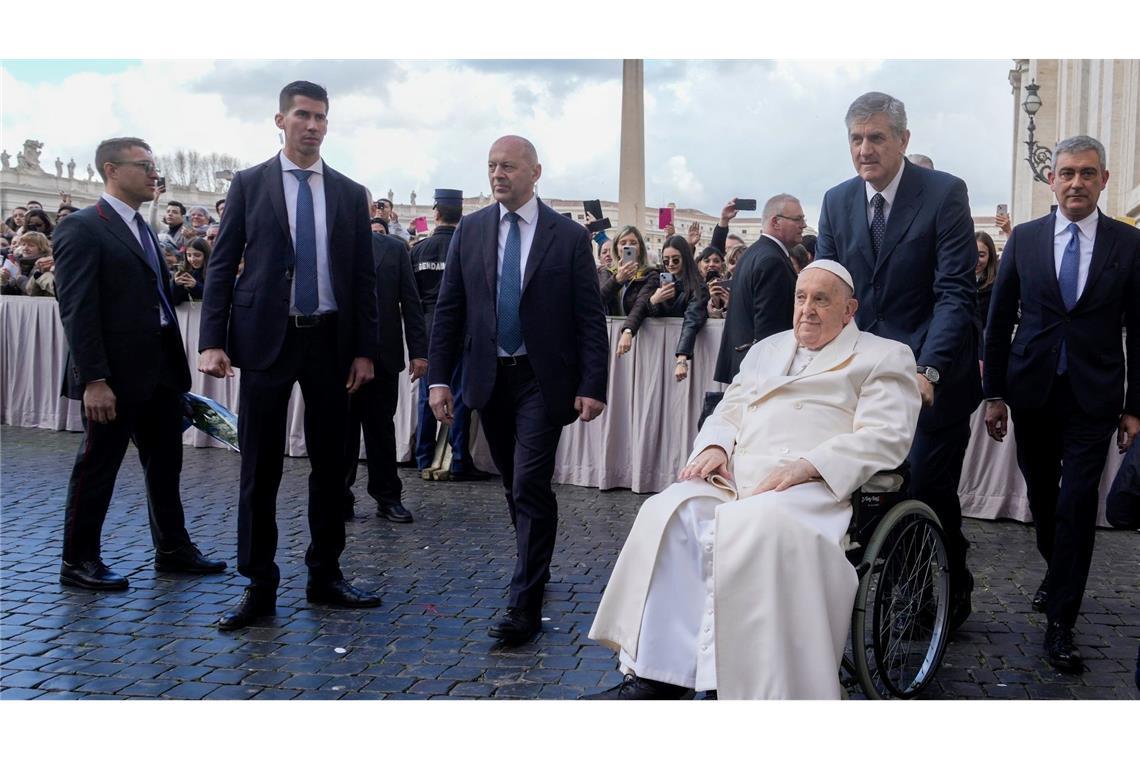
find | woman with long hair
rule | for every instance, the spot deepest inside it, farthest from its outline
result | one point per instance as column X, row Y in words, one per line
column 624, row 284
column 681, row 292
column 190, row 275
column 985, row 272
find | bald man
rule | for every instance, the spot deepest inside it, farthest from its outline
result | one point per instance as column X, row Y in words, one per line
column 519, row 304
column 734, row 578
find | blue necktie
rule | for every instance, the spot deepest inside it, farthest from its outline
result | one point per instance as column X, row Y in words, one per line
column 1067, row 279
column 510, row 289
column 305, row 296
column 159, row 268
column 878, row 223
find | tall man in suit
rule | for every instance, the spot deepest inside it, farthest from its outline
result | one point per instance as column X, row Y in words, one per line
column 1075, row 274
column 303, row 311
column 126, row 362
column 520, row 304
column 906, row 235
column 763, row 285
column 374, row 405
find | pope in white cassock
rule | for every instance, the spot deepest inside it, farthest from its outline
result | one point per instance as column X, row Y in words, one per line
column 735, row 577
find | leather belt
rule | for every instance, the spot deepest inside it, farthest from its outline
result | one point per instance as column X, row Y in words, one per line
column 312, row 320
column 514, row 361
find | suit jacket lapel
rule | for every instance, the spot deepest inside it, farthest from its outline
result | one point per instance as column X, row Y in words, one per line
column 1045, row 259
column 857, row 220
column 908, row 200
column 332, row 198
column 543, row 237
column 490, row 233
column 835, row 353
column 276, row 188
column 779, row 359
column 1103, row 252
column 120, row 230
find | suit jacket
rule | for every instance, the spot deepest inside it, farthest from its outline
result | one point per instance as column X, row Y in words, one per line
column 563, row 324
column 399, row 303
column 109, row 306
column 763, row 296
column 1022, row 372
column 921, row 290
column 249, row 319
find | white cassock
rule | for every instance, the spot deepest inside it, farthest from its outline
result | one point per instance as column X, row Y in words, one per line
column 753, row 596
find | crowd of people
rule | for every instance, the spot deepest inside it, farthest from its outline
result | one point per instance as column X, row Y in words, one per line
column 843, row 354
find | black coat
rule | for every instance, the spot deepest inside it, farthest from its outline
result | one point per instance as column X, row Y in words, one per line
column 399, row 303
column 109, row 306
column 763, row 295
column 621, row 300
column 429, row 258
column 692, row 308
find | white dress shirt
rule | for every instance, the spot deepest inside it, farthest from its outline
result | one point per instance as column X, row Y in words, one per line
column 326, row 299
column 1087, row 238
column 128, row 215
column 528, row 221
column 888, row 194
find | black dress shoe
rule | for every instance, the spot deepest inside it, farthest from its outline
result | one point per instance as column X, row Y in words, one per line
column 252, row 605
column 340, row 594
column 470, row 473
column 186, row 559
column 91, row 574
column 516, row 626
column 394, row 512
column 635, row 687
column 1041, row 598
column 1060, row 649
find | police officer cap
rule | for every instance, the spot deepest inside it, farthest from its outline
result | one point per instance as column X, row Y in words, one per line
column 445, row 197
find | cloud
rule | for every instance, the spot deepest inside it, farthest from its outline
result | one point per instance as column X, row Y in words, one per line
column 676, row 180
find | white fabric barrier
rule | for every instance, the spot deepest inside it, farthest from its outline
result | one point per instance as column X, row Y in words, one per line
column 639, row 442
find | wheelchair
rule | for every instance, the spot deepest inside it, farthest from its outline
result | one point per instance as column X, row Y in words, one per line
column 901, row 621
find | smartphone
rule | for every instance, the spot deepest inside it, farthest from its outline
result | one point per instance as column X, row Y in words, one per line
column 628, row 254
column 599, row 225
column 1003, row 209
column 667, row 278
column 745, row 204
column 161, row 183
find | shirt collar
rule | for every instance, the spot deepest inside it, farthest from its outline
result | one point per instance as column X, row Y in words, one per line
column 778, row 242
column 1087, row 225
column 287, row 165
column 121, row 208
column 528, row 212
column 890, row 190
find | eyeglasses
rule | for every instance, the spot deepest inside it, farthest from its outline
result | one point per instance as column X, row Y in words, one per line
column 671, row 259
column 147, row 166
column 797, row 219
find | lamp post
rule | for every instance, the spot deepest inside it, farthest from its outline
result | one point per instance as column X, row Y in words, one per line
column 1040, row 158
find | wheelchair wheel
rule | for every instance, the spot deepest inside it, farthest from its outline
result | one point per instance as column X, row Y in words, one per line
column 902, row 609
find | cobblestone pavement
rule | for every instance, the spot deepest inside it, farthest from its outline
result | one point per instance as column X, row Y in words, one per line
column 443, row 579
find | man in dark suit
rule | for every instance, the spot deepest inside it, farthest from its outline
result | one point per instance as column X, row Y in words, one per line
column 1075, row 275
column 374, row 405
column 127, row 363
column 906, row 235
column 429, row 260
column 763, row 284
column 303, row 311
column 520, row 304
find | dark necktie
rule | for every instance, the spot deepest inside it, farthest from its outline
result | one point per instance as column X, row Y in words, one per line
column 1067, row 279
column 878, row 223
column 306, row 298
column 510, row 289
column 160, row 272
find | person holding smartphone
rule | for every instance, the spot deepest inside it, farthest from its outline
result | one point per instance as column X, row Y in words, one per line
column 190, row 274
column 680, row 292
column 624, row 280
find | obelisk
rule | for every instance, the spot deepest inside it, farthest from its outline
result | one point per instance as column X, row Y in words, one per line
column 631, row 168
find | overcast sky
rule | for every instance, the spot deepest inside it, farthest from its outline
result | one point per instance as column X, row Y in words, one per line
column 714, row 129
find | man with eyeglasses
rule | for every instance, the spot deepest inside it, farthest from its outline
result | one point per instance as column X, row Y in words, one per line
column 906, row 235
column 763, row 284
column 212, row 234
column 127, row 364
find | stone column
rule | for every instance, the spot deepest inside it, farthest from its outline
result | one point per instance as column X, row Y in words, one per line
column 631, row 179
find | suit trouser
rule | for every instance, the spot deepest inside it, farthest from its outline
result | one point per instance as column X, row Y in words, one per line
column 372, row 407
column 461, row 424
column 1061, row 454
column 155, row 426
column 935, row 461
column 523, row 441
column 309, row 356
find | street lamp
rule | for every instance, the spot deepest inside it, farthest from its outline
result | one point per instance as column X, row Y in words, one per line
column 1040, row 158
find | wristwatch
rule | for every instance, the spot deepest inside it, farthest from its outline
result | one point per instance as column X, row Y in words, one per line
column 930, row 374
